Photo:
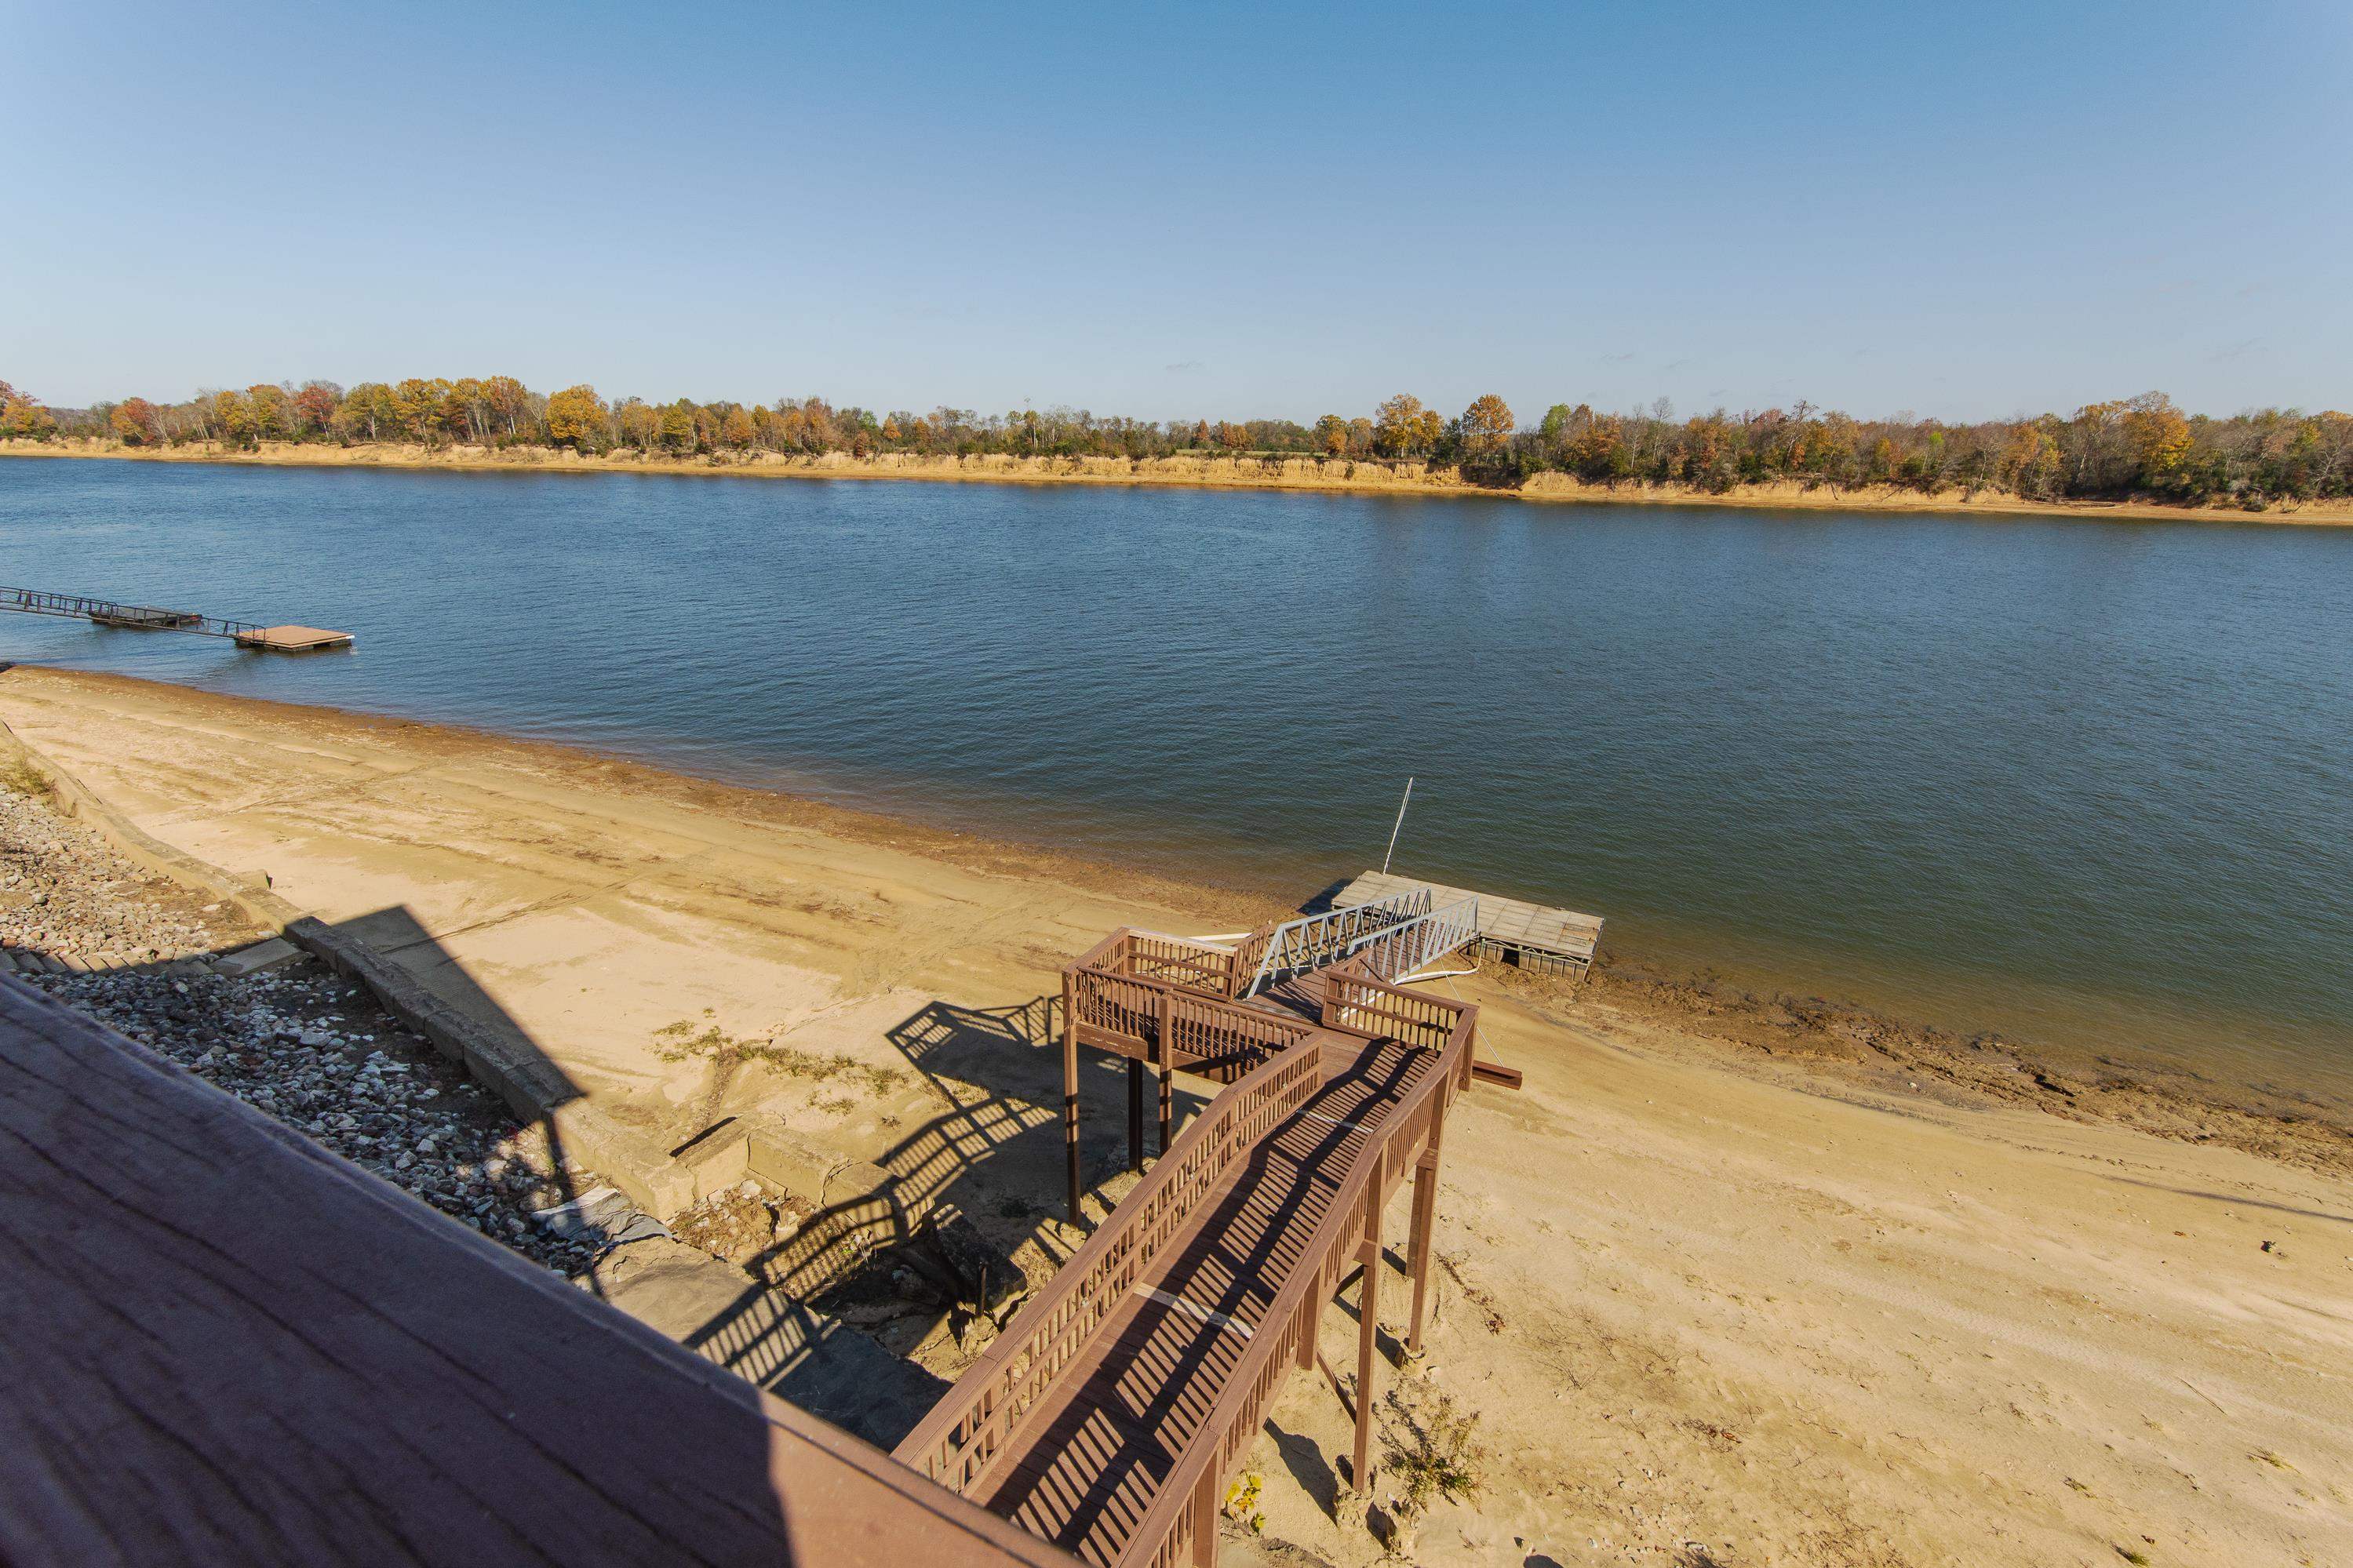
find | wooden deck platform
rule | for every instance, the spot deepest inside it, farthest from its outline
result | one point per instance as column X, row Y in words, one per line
column 223, row 1345
column 293, row 639
column 1536, row 936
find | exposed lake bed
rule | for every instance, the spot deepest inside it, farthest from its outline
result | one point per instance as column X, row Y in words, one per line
column 2002, row 1323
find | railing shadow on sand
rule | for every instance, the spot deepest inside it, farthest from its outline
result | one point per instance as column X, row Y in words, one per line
column 951, row 1202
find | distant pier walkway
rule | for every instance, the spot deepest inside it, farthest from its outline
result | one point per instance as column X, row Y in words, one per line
column 154, row 618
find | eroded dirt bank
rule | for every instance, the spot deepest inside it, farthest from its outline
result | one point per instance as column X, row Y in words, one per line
column 1271, row 472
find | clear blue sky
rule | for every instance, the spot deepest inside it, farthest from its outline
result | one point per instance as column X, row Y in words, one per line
column 1960, row 210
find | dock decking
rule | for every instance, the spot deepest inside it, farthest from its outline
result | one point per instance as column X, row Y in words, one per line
column 293, row 639
column 1536, row 936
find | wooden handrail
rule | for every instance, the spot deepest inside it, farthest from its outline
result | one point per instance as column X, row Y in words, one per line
column 1174, row 1001
column 1095, row 955
column 1184, row 1512
column 1359, row 1004
column 1203, row 1026
column 956, row 1444
column 1206, row 967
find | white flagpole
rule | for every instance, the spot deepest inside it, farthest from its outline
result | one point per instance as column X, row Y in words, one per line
column 1401, row 823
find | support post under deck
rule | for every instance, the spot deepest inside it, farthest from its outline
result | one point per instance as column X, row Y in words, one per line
column 1425, row 1217
column 1071, row 1090
column 1369, row 1296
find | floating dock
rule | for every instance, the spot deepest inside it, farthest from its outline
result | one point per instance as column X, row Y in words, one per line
column 293, row 639
column 154, row 618
column 1533, row 936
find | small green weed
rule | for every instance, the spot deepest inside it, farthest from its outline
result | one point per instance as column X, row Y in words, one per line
column 1432, row 1453
column 679, row 1041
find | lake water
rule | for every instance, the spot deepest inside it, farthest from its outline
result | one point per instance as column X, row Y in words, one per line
column 2085, row 783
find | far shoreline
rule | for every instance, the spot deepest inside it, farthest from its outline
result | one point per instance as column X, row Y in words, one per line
column 1297, row 474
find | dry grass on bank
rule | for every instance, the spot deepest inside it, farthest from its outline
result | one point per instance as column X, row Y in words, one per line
column 1272, row 472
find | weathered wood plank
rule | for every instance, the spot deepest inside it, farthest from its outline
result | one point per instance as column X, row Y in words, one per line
column 221, row 1345
column 1512, row 922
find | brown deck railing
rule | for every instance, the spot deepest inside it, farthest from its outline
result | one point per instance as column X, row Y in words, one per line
column 963, row 1437
column 957, row 1442
column 1200, row 965
column 1356, row 1002
column 1135, row 991
column 1182, row 1520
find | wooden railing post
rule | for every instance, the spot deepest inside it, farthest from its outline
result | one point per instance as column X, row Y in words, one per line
column 1071, row 1088
column 1134, row 1114
column 1166, row 1048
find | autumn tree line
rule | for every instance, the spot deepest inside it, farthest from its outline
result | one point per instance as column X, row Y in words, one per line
column 2142, row 448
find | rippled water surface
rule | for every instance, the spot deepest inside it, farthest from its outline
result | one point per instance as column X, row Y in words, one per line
column 2085, row 782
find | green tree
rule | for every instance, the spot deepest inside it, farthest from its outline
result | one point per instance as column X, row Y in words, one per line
column 273, row 411
column 1399, row 427
column 232, row 416
column 369, row 411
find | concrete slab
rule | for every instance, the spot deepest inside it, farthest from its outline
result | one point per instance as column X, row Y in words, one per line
column 253, row 959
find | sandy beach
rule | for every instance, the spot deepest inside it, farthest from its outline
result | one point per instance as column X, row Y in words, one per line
column 1722, row 1284
column 1272, row 472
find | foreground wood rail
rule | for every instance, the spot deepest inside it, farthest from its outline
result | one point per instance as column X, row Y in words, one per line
column 220, row 1345
column 1109, row 1416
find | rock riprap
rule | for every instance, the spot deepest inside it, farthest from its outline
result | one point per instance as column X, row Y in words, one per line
column 129, row 948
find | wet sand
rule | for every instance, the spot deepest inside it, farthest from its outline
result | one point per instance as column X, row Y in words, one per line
column 1730, row 1281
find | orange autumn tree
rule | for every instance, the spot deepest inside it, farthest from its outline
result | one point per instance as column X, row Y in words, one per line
column 23, row 416
column 576, row 416
column 134, row 419
column 2159, row 434
column 1487, row 424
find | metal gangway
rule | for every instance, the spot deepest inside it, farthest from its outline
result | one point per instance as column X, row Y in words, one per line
column 1397, row 936
column 155, row 618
